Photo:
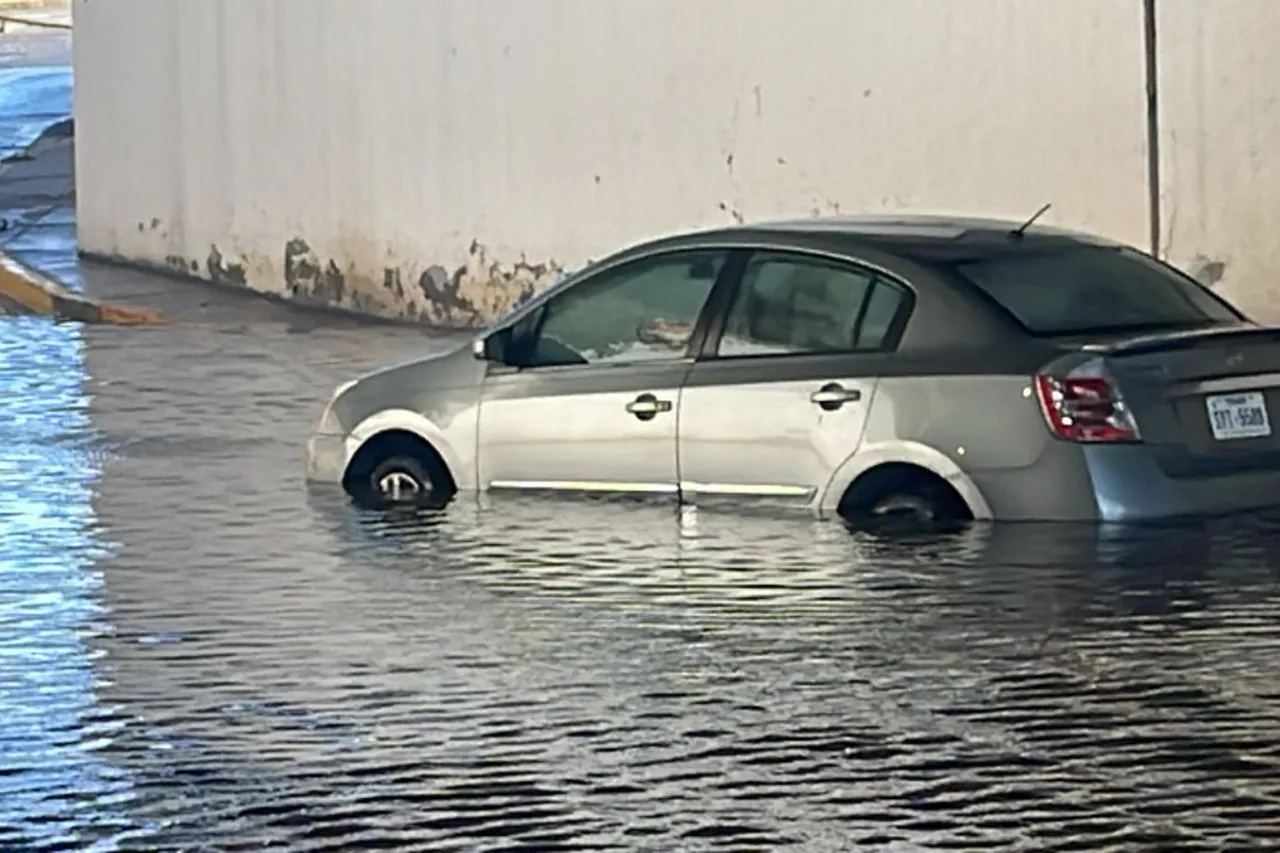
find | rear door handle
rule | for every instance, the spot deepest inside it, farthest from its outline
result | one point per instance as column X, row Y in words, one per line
column 647, row 406
column 833, row 395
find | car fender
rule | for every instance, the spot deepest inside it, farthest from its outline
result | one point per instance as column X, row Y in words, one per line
column 411, row 422
column 912, row 453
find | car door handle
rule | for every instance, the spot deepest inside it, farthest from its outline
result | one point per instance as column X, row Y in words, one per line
column 834, row 395
column 646, row 406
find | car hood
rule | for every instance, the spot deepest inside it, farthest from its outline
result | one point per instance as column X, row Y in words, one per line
column 421, row 385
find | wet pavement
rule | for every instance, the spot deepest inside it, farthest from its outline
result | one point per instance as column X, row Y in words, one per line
column 37, row 217
column 196, row 654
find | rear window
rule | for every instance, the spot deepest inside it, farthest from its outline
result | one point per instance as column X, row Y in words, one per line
column 1087, row 289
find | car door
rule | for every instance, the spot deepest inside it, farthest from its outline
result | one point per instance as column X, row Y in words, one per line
column 779, row 396
column 588, row 399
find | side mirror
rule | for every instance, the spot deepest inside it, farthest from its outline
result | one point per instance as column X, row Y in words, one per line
column 490, row 345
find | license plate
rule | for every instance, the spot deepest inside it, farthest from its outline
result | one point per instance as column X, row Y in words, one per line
column 1238, row 416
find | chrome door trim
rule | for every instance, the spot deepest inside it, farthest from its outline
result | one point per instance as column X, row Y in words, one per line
column 583, row 486
column 755, row 491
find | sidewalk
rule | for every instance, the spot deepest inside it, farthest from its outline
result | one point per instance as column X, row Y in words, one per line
column 40, row 270
column 37, row 171
column 37, row 203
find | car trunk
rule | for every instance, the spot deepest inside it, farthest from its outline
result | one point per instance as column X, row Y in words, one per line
column 1206, row 401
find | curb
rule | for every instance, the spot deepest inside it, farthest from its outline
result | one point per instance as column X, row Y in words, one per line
column 39, row 294
column 58, row 134
column 34, row 23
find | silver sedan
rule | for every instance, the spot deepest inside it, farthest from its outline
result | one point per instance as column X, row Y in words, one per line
column 924, row 367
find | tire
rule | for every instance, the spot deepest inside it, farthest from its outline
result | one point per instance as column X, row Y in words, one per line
column 917, row 506
column 908, row 506
column 404, row 482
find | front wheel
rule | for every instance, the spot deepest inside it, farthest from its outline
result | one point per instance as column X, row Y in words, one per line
column 402, row 482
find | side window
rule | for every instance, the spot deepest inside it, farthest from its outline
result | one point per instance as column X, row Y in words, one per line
column 641, row 311
column 878, row 315
column 792, row 305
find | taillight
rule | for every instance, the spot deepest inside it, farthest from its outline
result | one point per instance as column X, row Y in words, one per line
column 1085, row 408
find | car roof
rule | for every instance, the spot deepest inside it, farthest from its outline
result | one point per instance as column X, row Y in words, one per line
column 922, row 237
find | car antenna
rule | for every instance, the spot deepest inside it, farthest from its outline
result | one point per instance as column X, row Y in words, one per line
column 1022, row 229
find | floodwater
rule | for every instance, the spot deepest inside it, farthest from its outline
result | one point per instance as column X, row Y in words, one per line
column 198, row 654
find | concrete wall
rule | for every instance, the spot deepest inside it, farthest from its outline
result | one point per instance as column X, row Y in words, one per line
column 1220, row 145
column 435, row 159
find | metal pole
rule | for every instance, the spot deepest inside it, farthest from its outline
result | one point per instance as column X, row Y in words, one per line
column 1151, row 49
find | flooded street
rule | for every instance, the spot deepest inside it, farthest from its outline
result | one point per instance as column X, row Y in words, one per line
column 196, row 654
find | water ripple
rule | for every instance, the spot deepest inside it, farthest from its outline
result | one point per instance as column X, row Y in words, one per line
column 195, row 654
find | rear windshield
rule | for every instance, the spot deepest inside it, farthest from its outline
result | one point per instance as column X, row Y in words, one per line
column 1091, row 289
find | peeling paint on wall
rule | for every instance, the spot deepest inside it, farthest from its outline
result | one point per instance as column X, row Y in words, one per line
column 222, row 271
column 468, row 295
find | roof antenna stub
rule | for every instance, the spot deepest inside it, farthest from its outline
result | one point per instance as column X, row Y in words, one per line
column 1018, row 232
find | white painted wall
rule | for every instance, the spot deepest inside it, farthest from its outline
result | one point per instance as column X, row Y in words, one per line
column 491, row 142
column 1220, row 145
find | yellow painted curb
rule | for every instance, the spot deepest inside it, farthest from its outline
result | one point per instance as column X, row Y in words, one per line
column 40, row 294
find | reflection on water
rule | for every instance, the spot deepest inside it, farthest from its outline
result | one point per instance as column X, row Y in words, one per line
column 52, row 727
column 274, row 668
column 31, row 99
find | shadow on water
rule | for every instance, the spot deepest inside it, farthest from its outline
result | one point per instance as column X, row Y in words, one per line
column 194, row 649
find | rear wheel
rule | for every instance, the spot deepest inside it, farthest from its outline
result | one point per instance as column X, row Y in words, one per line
column 903, row 497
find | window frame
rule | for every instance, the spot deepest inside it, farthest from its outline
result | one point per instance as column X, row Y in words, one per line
column 522, row 331
column 879, row 276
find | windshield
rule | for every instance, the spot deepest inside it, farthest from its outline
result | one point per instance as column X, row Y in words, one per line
column 1093, row 289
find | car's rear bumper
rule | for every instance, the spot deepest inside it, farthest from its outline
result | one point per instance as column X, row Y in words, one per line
column 1128, row 485
column 1117, row 483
